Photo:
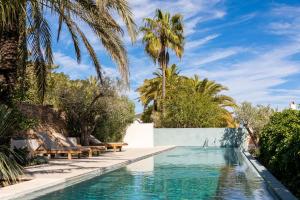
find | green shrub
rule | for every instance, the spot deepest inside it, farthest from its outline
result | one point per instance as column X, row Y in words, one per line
column 9, row 168
column 184, row 109
column 24, row 158
column 116, row 114
column 280, row 148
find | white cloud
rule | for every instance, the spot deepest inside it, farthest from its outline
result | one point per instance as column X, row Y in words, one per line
column 76, row 70
column 200, row 42
column 70, row 66
column 194, row 12
column 256, row 79
column 219, row 55
column 287, row 21
column 199, row 59
column 234, row 22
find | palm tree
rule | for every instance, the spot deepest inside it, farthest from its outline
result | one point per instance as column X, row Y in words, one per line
column 213, row 90
column 151, row 90
column 25, row 34
column 161, row 34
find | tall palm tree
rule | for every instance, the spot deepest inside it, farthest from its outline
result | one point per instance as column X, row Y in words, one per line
column 161, row 34
column 25, row 34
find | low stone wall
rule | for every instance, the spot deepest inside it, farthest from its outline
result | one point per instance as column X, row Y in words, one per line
column 49, row 119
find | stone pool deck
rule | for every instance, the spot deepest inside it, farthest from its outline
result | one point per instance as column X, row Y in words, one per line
column 62, row 172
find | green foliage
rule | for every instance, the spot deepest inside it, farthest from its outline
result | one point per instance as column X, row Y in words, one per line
column 151, row 90
column 116, row 114
column 9, row 168
column 26, row 24
column 24, row 123
column 187, row 109
column 93, row 108
column 89, row 105
column 189, row 102
column 280, row 148
column 162, row 34
column 254, row 117
column 55, row 83
column 25, row 158
column 146, row 115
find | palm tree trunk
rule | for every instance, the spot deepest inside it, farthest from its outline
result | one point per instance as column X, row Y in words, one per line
column 9, row 38
column 163, row 68
column 163, row 81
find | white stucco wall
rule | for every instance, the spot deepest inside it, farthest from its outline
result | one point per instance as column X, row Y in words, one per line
column 139, row 135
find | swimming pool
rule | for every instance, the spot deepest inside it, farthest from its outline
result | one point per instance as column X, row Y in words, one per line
column 181, row 173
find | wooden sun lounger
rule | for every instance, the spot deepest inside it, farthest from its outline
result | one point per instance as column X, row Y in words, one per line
column 59, row 145
column 95, row 149
column 115, row 145
column 69, row 152
column 108, row 145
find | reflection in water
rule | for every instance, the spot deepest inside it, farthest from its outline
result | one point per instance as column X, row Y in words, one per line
column 145, row 165
column 182, row 173
column 237, row 181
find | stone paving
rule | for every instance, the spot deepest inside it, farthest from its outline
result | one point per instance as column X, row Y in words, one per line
column 61, row 171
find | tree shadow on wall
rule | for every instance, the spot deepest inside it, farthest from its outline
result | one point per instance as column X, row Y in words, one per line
column 233, row 137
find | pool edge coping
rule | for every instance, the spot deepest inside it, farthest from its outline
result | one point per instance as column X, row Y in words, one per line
column 278, row 189
column 65, row 182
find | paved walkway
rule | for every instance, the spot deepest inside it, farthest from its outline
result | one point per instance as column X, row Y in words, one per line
column 60, row 172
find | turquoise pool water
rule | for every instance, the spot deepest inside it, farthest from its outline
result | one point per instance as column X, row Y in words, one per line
column 181, row 173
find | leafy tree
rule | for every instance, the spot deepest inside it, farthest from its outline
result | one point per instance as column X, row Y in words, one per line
column 188, row 109
column 151, row 89
column 116, row 113
column 280, row 148
column 24, row 28
column 94, row 108
column 213, row 90
column 253, row 118
column 79, row 102
column 161, row 34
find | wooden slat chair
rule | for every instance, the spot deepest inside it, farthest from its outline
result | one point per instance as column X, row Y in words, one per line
column 95, row 149
column 108, row 145
column 56, row 144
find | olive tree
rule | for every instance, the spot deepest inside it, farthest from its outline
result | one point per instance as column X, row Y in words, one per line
column 253, row 118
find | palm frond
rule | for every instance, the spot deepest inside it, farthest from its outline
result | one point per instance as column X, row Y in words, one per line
column 10, row 170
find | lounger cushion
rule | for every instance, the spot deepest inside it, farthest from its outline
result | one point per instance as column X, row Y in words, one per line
column 95, row 141
column 57, row 142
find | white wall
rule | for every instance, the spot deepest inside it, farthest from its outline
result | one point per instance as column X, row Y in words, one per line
column 139, row 135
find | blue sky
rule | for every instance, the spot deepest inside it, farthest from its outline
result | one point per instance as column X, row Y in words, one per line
column 252, row 47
